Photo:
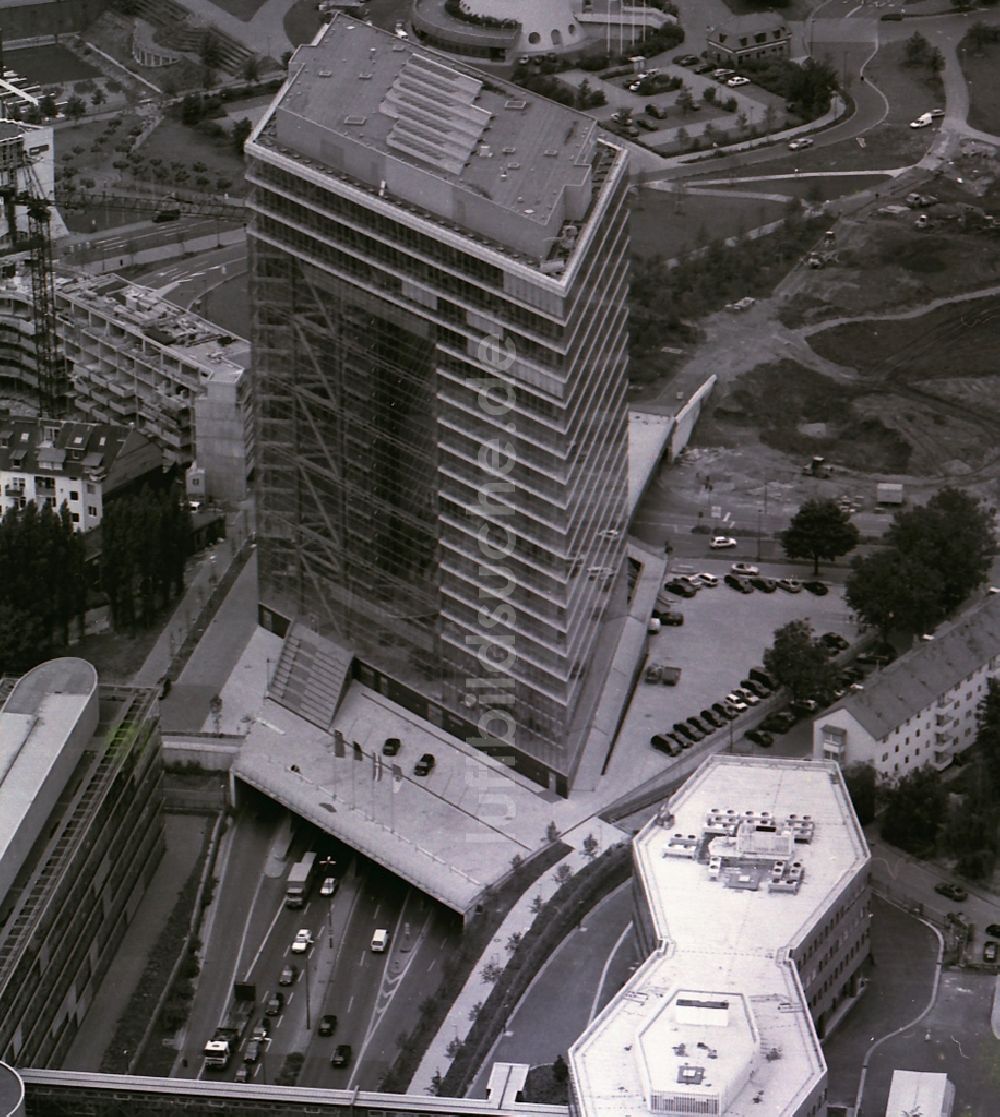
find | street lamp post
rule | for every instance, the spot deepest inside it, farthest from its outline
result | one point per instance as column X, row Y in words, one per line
column 305, row 977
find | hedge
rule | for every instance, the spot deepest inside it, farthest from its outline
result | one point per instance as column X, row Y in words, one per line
column 556, row 919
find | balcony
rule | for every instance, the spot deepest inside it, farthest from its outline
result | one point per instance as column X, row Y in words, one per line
column 13, row 490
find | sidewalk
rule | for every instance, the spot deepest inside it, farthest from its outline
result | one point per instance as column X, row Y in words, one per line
column 477, row 989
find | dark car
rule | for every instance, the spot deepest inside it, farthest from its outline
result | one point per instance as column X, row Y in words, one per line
column 341, row 1056
column 710, row 717
column 687, row 59
column 391, row 746
column 835, row 641
column 685, row 731
column 679, row 741
column 990, row 953
column 892, row 17
column 993, row 930
column 674, row 620
column 765, row 585
column 705, row 68
column 760, row 737
column 251, row 1053
column 741, row 585
column 762, row 677
column 697, row 729
column 727, row 713
column 820, row 589
column 328, row 1024
column 664, row 744
column 682, row 589
column 288, row 975
column 425, row 765
column 953, row 891
column 755, row 688
column 779, row 722
column 275, row 1003
column 803, row 707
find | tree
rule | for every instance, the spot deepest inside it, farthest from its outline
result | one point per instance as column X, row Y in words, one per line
column 560, row 1071
column 819, row 530
column 918, row 50
column 988, row 740
column 799, row 662
column 210, row 51
column 240, row 133
column 99, row 97
column 251, row 68
column 590, row 847
column 685, row 101
column 915, row 809
column 192, row 109
column 710, row 94
column 952, row 534
column 861, row 783
column 47, row 105
column 889, row 591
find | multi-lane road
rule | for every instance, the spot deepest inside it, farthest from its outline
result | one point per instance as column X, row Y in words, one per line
column 375, row 996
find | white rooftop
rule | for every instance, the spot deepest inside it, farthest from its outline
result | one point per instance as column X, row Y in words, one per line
column 748, row 855
column 920, row 1092
column 450, row 833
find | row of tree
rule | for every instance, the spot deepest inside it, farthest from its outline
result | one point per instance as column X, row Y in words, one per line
column 43, row 584
column 145, row 542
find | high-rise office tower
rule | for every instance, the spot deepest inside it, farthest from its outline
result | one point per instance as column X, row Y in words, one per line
column 439, row 269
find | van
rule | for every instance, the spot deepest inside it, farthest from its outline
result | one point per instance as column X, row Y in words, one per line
column 380, row 941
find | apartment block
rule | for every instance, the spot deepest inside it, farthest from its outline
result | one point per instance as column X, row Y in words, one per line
column 751, row 898
column 439, row 278
column 51, row 462
column 80, row 835
column 921, row 709
column 178, row 379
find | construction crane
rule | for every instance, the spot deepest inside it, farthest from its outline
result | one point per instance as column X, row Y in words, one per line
column 53, row 379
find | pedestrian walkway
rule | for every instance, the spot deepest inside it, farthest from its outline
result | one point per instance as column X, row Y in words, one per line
column 184, row 838
column 263, row 33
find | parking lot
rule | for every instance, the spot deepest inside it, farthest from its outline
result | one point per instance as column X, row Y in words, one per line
column 724, row 634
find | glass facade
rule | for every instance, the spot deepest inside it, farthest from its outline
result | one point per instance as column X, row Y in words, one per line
column 442, row 443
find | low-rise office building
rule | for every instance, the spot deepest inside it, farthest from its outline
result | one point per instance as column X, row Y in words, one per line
column 749, row 38
column 81, row 832
column 181, row 380
column 52, row 461
column 751, row 895
column 923, row 708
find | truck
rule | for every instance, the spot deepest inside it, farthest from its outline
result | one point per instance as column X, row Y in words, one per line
column 227, row 1037
column 887, row 493
column 300, row 879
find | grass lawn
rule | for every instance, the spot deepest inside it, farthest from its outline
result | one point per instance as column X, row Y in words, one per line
column 49, row 65
column 301, row 22
column 228, row 306
column 671, row 225
column 910, row 90
column 241, row 9
column 980, row 70
column 813, row 189
column 116, row 655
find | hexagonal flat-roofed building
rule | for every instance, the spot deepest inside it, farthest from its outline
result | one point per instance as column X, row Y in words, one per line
column 752, row 894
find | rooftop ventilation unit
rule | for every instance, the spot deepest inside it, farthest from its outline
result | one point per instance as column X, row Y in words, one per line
column 515, row 105
column 551, row 153
column 324, row 73
column 355, row 121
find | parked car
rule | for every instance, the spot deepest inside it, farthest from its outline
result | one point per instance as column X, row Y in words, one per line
column 682, row 589
column 990, row 950
column 685, row 731
column 760, row 737
column 891, row 16
column 993, row 930
column 701, row 730
column 425, row 765
column 765, row 585
column 721, row 542
column 746, row 568
column 762, row 677
column 754, row 687
column 288, row 975
column 663, row 743
column 953, row 891
column 652, row 673
column 705, row 68
column 800, row 142
column 687, row 59
column 802, row 707
column 745, row 695
column 674, row 620
column 727, row 713
column 778, row 722
column 790, row 585
column 707, row 579
column 391, row 746
column 925, row 120
column 679, row 741
column 741, row 585
column 327, row 1024
column 820, row 589
column 721, row 74
column 736, row 703
column 302, row 941
column 835, row 641
column 736, row 81
column 342, row 1055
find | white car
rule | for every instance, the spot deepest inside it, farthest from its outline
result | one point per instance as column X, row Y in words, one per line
column 707, row 579
column 735, row 703
column 721, row 542
column 328, row 887
column 923, row 121
column 302, row 941
column 745, row 695
column 800, row 142
column 746, row 568
column 737, row 81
